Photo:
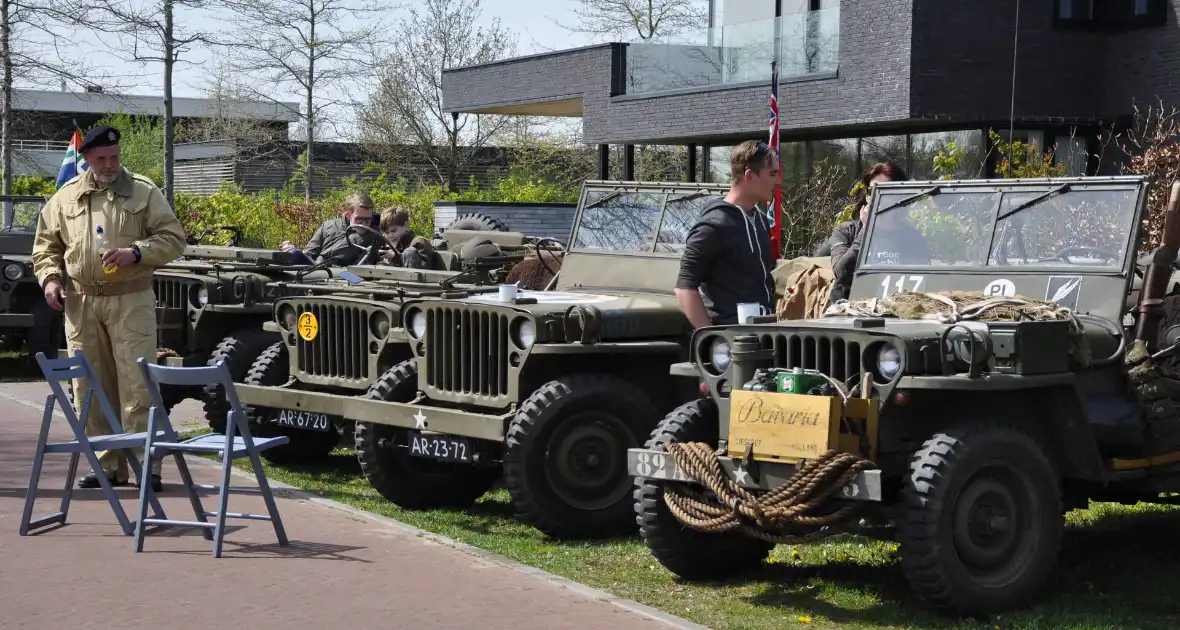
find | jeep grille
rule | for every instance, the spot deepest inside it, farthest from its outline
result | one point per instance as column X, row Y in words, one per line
column 171, row 292
column 835, row 356
column 341, row 348
column 467, row 352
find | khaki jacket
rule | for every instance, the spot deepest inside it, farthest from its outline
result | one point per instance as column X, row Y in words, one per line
column 132, row 211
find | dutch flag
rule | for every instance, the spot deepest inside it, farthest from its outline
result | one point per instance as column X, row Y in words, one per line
column 73, row 163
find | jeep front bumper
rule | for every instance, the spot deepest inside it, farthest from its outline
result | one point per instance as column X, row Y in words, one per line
column 404, row 415
column 650, row 464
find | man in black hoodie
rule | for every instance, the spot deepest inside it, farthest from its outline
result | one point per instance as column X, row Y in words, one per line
column 727, row 257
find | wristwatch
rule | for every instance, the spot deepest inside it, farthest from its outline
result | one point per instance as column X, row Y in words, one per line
column 138, row 254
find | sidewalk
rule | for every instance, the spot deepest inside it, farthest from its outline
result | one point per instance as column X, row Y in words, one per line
column 340, row 572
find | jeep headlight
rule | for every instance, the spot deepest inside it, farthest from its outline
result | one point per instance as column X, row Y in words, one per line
column 203, row 296
column 888, row 361
column 418, row 324
column 719, row 354
column 524, row 334
column 13, row 271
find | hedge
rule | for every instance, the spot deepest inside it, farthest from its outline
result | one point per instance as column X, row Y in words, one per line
column 269, row 217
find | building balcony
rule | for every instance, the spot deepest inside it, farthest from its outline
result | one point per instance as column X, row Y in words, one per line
column 808, row 45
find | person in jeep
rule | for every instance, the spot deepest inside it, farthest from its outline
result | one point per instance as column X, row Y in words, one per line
column 410, row 250
column 727, row 257
column 846, row 239
column 332, row 243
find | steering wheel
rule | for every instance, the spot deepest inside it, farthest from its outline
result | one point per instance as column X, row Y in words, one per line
column 367, row 250
column 234, row 241
column 1063, row 254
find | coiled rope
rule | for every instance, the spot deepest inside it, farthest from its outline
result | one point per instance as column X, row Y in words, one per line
column 793, row 513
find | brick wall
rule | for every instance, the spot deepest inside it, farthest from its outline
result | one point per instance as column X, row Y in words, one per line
column 1144, row 65
column 962, row 63
column 554, row 220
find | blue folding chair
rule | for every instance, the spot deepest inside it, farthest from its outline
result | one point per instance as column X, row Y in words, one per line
column 227, row 446
column 56, row 372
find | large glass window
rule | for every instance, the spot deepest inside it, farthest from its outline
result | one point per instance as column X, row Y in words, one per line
column 925, row 147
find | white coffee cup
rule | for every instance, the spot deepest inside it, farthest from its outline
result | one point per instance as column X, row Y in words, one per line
column 746, row 310
column 508, row 292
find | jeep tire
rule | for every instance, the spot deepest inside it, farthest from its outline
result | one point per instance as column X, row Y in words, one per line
column 412, row 482
column 476, row 222
column 272, row 369
column 982, row 520
column 688, row 553
column 239, row 351
column 565, row 458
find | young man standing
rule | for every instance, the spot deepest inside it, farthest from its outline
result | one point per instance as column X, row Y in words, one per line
column 727, row 258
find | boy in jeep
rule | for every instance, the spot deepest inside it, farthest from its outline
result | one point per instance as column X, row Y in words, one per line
column 410, row 250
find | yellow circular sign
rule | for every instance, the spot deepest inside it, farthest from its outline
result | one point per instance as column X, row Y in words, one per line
column 308, row 326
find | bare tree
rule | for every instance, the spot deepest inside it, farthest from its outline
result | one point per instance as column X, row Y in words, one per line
column 302, row 45
column 406, row 105
column 30, row 34
column 148, row 31
column 228, row 119
column 645, row 19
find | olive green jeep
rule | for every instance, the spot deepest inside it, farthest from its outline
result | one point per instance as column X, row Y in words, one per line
column 548, row 388
column 1002, row 359
column 339, row 335
column 26, row 320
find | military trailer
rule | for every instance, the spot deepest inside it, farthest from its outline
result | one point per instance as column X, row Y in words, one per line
column 26, row 320
column 338, row 337
column 1002, row 360
column 548, row 388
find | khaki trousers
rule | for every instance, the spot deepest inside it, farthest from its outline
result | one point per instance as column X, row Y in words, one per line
column 114, row 331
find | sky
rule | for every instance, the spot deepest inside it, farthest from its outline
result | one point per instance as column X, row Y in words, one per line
column 529, row 20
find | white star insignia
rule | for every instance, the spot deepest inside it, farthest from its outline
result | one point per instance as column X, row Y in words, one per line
column 740, row 475
column 420, row 420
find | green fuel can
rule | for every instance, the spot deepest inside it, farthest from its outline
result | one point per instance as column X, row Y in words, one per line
column 799, row 381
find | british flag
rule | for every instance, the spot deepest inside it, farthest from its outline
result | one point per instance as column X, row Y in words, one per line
column 774, row 213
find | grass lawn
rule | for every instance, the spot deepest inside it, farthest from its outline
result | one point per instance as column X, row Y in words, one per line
column 1117, row 568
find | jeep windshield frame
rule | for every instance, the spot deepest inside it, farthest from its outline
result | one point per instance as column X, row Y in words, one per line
column 629, row 218
column 1005, row 216
column 21, row 212
column 1079, row 240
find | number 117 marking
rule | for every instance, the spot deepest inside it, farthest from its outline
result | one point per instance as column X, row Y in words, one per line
column 900, row 284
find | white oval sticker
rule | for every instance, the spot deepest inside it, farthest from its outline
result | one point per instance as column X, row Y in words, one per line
column 1000, row 288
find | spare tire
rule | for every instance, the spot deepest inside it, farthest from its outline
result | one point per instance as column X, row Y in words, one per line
column 478, row 222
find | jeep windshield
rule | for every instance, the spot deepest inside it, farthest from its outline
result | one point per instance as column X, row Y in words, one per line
column 1025, row 225
column 646, row 220
column 21, row 212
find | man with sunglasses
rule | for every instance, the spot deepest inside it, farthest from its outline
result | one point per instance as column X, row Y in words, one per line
column 727, row 257
column 332, row 243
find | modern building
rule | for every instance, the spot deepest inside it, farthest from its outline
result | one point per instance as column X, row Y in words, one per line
column 860, row 80
column 43, row 120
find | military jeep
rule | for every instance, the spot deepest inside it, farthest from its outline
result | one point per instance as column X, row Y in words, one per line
column 338, row 336
column 980, row 382
column 25, row 317
column 548, row 389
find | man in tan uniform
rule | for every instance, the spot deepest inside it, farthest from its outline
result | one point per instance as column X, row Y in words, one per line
column 110, row 307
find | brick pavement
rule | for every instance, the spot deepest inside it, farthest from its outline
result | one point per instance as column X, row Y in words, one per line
column 341, row 571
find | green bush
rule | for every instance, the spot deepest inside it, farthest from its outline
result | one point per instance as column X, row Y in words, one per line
column 272, row 216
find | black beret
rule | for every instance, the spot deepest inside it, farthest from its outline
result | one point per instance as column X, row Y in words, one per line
column 103, row 136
